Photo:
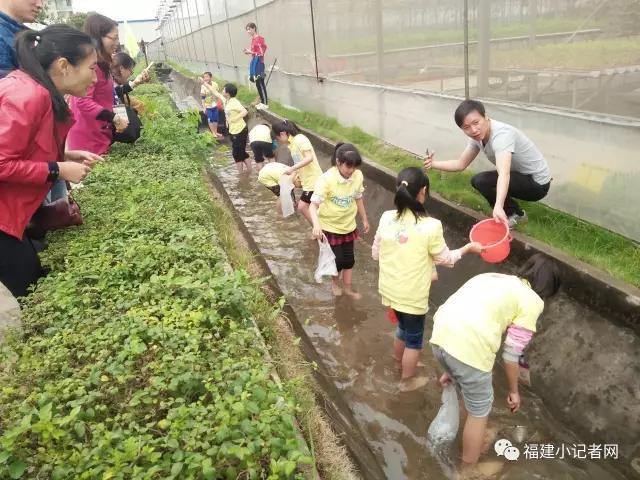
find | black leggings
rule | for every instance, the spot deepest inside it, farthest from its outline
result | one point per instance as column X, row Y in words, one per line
column 262, row 89
column 239, row 145
column 345, row 258
column 520, row 186
column 19, row 264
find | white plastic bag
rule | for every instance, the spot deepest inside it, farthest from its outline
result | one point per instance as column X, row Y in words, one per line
column 444, row 428
column 326, row 261
column 286, row 202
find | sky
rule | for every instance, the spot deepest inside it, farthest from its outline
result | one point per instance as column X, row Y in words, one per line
column 119, row 9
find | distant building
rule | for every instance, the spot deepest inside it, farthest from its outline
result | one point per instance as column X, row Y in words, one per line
column 142, row 29
column 59, row 9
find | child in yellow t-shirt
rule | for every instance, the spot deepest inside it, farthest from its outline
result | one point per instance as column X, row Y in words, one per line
column 305, row 161
column 270, row 176
column 468, row 330
column 238, row 130
column 407, row 244
column 336, row 198
column 208, row 91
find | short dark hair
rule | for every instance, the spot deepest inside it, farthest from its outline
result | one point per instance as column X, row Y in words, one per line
column 231, row 89
column 208, row 73
column 465, row 108
column 251, row 25
column 124, row 60
column 285, row 126
column 347, row 154
column 543, row 274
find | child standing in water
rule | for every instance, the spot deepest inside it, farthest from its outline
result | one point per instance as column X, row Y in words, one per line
column 407, row 244
column 261, row 145
column 336, row 199
column 305, row 162
column 208, row 91
column 238, row 131
column 270, row 176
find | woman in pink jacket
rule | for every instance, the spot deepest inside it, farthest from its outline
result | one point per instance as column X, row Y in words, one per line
column 93, row 130
column 35, row 119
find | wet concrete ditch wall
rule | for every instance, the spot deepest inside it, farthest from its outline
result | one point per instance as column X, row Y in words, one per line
column 585, row 361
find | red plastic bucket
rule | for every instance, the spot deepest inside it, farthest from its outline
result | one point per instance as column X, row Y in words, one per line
column 494, row 237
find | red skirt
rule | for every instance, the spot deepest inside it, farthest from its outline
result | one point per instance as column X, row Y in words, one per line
column 341, row 238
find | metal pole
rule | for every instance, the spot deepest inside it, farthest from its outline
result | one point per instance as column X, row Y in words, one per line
column 192, row 34
column 466, row 48
column 226, row 15
column 313, row 33
column 484, row 49
column 213, row 34
column 379, row 41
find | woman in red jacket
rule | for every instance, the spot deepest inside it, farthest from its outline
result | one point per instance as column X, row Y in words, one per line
column 93, row 130
column 34, row 123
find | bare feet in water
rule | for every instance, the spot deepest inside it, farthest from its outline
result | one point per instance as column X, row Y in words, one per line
column 336, row 290
column 412, row 383
column 351, row 293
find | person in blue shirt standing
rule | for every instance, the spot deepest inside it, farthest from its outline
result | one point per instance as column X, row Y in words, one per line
column 13, row 15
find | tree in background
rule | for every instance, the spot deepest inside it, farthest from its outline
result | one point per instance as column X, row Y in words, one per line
column 76, row 19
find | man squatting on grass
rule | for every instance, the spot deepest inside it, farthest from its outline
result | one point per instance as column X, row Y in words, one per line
column 521, row 170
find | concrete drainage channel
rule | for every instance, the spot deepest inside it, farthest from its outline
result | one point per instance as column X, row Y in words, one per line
column 585, row 361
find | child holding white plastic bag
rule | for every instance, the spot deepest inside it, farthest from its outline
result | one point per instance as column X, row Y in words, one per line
column 273, row 176
column 407, row 244
column 336, row 199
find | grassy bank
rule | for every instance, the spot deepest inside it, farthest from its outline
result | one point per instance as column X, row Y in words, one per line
column 615, row 254
column 139, row 357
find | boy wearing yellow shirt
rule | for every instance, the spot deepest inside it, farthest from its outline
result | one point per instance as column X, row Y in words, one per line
column 407, row 245
column 238, row 131
column 468, row 330
column 305, row 161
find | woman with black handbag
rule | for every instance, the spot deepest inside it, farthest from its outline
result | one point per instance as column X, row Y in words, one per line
column 35, row 120
column 121, row 70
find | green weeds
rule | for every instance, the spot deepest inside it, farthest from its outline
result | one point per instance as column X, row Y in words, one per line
column 139, row 357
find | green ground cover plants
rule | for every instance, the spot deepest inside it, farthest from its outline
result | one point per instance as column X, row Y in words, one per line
column 613, row 253
column 139, row 357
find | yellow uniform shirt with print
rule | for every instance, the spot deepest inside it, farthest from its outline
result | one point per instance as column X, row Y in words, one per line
column 209, row 97
column 270, row 174
column 337, row 198
column 405, row 258
column 260, row 133
column 233, row 111
column 310, row 173
column 469, row 326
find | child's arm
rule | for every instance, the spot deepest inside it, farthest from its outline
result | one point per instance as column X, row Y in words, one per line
column 434, row 274
column 375, row 248
column 243, row 112
column 514, row 345
column 448, row 258
column 307, row 158
column 363, row 214
column 315, row 221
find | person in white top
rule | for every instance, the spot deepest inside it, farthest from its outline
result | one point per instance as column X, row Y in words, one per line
column 521, row 170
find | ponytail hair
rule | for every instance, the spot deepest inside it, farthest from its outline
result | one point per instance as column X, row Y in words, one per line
column 347, row 154
column 36, row 52
column 285, row 126
column 409, row 183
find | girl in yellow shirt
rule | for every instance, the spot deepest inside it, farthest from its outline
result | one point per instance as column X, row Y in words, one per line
column 305, row 162
column 336, row 199
column 407, row 244
column 238, row 131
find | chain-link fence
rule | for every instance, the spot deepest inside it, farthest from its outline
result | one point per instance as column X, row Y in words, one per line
column 567, row 72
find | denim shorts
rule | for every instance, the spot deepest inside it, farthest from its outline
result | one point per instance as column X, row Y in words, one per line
column 410, row 329
column 475, row 385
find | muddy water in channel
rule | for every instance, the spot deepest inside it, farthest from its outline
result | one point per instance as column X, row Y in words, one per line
column 354, row 339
